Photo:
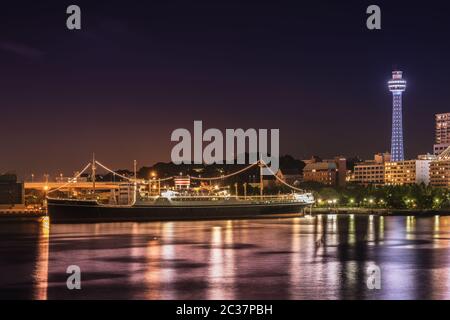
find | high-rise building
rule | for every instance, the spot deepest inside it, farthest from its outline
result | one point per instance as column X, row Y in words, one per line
column 442, row 138
column 397, row 85
column 440, row 170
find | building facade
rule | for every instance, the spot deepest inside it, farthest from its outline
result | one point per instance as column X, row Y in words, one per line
column 440, row 173
column 371, row 172
column 341, row 164
column 368, row 173
column 400, row 172
column 442, row 133
column 440, row 170
column 408, row 171
column 322, row 172
column 12, row 193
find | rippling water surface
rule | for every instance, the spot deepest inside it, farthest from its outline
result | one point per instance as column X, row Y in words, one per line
column 323, row 257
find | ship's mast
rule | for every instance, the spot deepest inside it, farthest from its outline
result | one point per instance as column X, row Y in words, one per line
column 135, row 179
column 260, row 177
column 93, row 173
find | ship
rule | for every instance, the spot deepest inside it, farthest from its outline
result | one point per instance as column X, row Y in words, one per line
column 163, row 208
column 173, row 204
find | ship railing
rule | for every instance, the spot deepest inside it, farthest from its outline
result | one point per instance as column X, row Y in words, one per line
column 255, row 198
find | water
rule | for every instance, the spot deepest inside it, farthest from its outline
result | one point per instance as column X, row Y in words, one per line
column 324, row 257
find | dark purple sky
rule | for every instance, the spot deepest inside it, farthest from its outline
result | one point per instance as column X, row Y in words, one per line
column 140, row 69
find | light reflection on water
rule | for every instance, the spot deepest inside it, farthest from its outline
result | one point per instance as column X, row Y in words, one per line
column 40, row 274
column 322, row 257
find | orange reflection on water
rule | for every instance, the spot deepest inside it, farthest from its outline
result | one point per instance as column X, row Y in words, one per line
column 295, row 261
column 40, row 274
column 153, row 271
column 319, row 257
column 216, row 265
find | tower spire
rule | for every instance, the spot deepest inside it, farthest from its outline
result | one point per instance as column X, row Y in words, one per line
column 397, row 85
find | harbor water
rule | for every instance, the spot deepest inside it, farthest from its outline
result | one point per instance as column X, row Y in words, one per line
column 320, row 257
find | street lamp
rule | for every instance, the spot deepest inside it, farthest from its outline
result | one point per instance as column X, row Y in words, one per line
column 437, row 202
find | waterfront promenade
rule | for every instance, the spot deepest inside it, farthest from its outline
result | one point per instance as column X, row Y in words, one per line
column 380, row 211
column 21, row 214
column 17, row 214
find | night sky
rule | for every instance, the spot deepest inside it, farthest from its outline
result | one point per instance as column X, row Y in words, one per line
column 140, row 69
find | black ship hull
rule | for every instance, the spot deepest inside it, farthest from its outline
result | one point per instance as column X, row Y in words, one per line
column 74, row 211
